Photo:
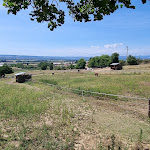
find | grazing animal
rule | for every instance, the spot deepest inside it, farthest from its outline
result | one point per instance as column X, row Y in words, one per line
column 53, row 73
column 3, row 76
column 96, row 74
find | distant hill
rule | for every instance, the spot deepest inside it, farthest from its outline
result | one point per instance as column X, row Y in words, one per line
column 22, row 57
column 69, row 58
column 141, row 57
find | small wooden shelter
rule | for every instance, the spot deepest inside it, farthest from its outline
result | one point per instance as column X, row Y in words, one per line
column 23, row 77
column 116, row 66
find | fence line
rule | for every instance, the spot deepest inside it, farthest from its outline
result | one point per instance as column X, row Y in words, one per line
column 104, row 94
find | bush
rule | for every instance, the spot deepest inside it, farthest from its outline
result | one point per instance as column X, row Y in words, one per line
column 131, row 60
column 114, row 58
column 5, row 70
column 43, row 65
column 60, row 68
column 51, row 66
column 101, row 61
column 139, row 61
column 122, row 62
column 71, row 66
column 146, row 61
column 81, row 64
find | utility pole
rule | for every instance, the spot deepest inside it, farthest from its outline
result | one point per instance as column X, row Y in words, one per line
column 127, row 55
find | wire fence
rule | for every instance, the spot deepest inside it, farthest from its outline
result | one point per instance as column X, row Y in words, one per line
column 97, row 94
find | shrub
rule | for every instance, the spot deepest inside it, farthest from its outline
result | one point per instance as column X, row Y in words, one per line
column 122, row 62
column 131, row 60
column 5, row 70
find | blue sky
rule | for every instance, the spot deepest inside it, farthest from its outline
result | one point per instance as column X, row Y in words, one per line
column 125, row 27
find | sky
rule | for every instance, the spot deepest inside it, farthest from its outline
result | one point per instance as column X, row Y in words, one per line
column 126, row 27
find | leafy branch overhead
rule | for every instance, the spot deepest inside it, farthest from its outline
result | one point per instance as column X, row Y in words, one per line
column 84, row 10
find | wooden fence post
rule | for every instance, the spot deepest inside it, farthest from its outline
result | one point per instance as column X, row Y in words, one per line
column 149, row 108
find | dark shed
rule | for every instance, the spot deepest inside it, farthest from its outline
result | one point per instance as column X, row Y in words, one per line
column 116, row 66
column 22, row 77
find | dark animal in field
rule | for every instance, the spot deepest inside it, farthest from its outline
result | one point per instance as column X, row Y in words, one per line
column 3, row 76
column 78, row 70
column 53, row 73
column 96, row 74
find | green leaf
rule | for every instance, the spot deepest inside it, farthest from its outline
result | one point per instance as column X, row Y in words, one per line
column 121, row 5
column 4, row 4
column 144, row 1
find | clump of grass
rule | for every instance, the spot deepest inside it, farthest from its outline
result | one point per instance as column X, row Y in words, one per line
column 141, row 135
column 52, row 81
column 21, row 101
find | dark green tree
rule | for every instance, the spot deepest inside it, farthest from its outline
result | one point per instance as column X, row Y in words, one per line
column 91, row 62
column 115, row 58
column 131, row 60
column 81, row 64
column 71, row 66
column 104, row 61
column 20, row 65
column 51, row 66
column 101, row 61
column 83, row 10
column 5, row 70
column 43, row 65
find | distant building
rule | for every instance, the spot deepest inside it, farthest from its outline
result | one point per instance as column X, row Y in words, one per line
column 22, row 77
column 116, row 66
column 57, row 63
column 91, row 69
column 1, row 64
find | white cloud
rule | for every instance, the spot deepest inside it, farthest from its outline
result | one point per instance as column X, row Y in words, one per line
column 115, row 45
column 95, row 46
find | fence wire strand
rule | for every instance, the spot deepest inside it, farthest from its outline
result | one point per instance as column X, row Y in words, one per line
column 96, row 94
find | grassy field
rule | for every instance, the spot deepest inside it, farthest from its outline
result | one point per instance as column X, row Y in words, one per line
column 38, row 116
column 124, row 84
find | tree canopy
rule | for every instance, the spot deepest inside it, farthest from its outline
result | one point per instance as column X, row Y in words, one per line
column 81, row 64
column 131, row 60
column 5, row 70
column 83, row 10
column 115, row 58
column 104, row 60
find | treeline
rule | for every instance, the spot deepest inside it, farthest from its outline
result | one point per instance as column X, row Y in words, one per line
column 103, row 61
column 23, row 66
column 49, row 65
column 94, row 62
column 106, row 60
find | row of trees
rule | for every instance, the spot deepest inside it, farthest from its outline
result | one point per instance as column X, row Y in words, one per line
column 23, row 66
column 104, row 60
column 49, row 65
column 45, row 65
column 98, row 61
column 131, row 60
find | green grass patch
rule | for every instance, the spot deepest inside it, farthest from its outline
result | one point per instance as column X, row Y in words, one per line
column 127, row 85
column 21, row 101
column 52, row 81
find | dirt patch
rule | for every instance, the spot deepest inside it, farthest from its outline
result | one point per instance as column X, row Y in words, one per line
column 86, row 142
column 145, row 83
